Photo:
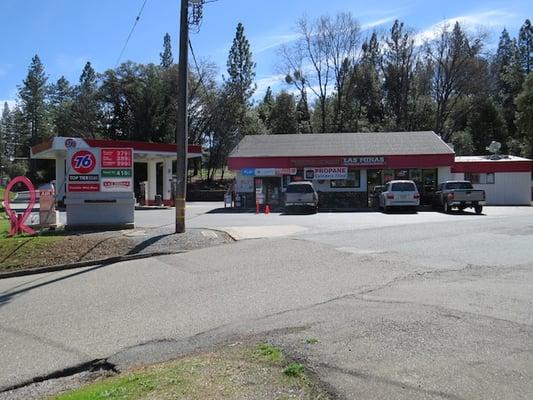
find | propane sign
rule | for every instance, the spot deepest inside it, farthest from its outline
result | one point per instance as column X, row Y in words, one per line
column 83, row 170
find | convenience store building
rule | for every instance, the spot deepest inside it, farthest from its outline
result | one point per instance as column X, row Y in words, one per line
column 348, row 169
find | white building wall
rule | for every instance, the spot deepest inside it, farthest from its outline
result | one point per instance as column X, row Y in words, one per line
column 444, row 174
column 509, row 188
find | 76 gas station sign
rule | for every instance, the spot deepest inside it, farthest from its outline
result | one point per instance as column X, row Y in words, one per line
column 100, row 170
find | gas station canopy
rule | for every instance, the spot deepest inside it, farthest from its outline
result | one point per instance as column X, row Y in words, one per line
column 143, row 152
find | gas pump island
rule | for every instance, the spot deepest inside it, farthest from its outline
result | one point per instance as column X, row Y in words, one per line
column 99, row 188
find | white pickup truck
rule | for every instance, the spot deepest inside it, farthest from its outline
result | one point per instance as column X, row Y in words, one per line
column 460, row 195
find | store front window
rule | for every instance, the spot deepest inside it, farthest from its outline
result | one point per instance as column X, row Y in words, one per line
column 401, row 174
column 353, row 181
column 388, row 175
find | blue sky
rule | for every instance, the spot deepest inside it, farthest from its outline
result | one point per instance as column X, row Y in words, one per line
column 67, row 33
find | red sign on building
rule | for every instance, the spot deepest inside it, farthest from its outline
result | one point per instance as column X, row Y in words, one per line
column 116, row 158
column 83, row 161
column 83, row 187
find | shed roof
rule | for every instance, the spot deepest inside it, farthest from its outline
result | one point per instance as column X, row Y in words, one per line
column 341, row 144
column 492, row 159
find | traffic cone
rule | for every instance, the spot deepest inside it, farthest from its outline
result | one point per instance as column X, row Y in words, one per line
column 267, row 209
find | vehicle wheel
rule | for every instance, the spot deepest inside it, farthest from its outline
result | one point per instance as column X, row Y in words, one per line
column 478, row 209
column 386, row 209
column 446, row 208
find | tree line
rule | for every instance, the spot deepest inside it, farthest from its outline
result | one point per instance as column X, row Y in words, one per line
column 338, row 79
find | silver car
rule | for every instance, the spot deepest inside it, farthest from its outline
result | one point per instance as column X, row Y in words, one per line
column 301, row 195
column 398, row 194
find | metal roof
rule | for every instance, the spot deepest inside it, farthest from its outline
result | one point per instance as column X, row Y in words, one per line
column 57, row 146
column 341, row 144
column 502, row 158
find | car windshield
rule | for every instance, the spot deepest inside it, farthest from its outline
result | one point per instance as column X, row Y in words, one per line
column 403, row 187
column 300, row 189
column 459, row 185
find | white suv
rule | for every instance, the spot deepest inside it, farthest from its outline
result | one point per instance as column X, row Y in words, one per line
column 399, row 194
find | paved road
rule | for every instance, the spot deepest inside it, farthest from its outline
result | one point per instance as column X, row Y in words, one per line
column 426, row 306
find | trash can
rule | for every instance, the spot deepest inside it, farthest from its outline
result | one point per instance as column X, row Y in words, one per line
column 158, row 200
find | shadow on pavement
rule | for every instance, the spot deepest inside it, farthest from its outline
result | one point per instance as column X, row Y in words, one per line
column 231, row 210
column 6, row 297
column 147, row 243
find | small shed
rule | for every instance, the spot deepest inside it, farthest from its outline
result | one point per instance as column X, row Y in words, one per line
column 505, row 179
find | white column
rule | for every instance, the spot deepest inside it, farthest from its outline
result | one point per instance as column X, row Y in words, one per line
column 61, row 184
column 167, row 178
column 152, row 181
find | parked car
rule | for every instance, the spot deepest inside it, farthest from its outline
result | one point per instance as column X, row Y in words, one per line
column 460, row 195
column 398, row 194
column 301, row 195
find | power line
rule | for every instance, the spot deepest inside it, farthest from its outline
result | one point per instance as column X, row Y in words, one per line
column 131, row 33
column 200, row 75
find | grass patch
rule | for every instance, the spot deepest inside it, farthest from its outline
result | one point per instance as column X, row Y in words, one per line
column 311, row 341
column 21, row 250
column 269, row 353
column 234, row 372
column 294, row 369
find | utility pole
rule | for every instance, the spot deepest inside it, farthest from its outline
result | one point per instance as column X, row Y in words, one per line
column 182, row 120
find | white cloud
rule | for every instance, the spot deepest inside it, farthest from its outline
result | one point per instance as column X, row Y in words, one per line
column 270, row 42
column 373, row 24
column 274, row 81
column 71, row 65
column 489, row 19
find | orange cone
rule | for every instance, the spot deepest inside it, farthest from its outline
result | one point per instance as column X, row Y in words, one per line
column 267, row 209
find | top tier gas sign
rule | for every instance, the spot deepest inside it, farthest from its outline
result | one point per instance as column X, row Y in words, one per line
column 100, row 170
column 83, row 170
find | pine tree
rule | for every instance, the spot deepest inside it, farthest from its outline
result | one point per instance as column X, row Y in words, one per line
column 303, row 115
column 86, row 112
column 524, row 116
column 508, row 78
column 504, row 51
column 283, row 115
column 241, row 68
column 265, row 108
column 366, row 85
column 32, row 94
column 166, row 56
column 485, row 124
column 525, row 44
column 61, row 102
column 398, row 65
column 4, row 138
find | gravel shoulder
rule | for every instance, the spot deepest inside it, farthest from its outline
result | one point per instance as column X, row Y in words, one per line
column 65, row 248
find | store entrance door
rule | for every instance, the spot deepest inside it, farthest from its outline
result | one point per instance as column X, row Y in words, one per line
column 374, row 186
column 272, row 191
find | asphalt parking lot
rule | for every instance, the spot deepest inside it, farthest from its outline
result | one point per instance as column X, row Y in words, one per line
column 248, row 225
column 403, row 306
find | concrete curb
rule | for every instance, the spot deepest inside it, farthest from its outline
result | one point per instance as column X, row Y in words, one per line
column 219, row 230
column 82, row 264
